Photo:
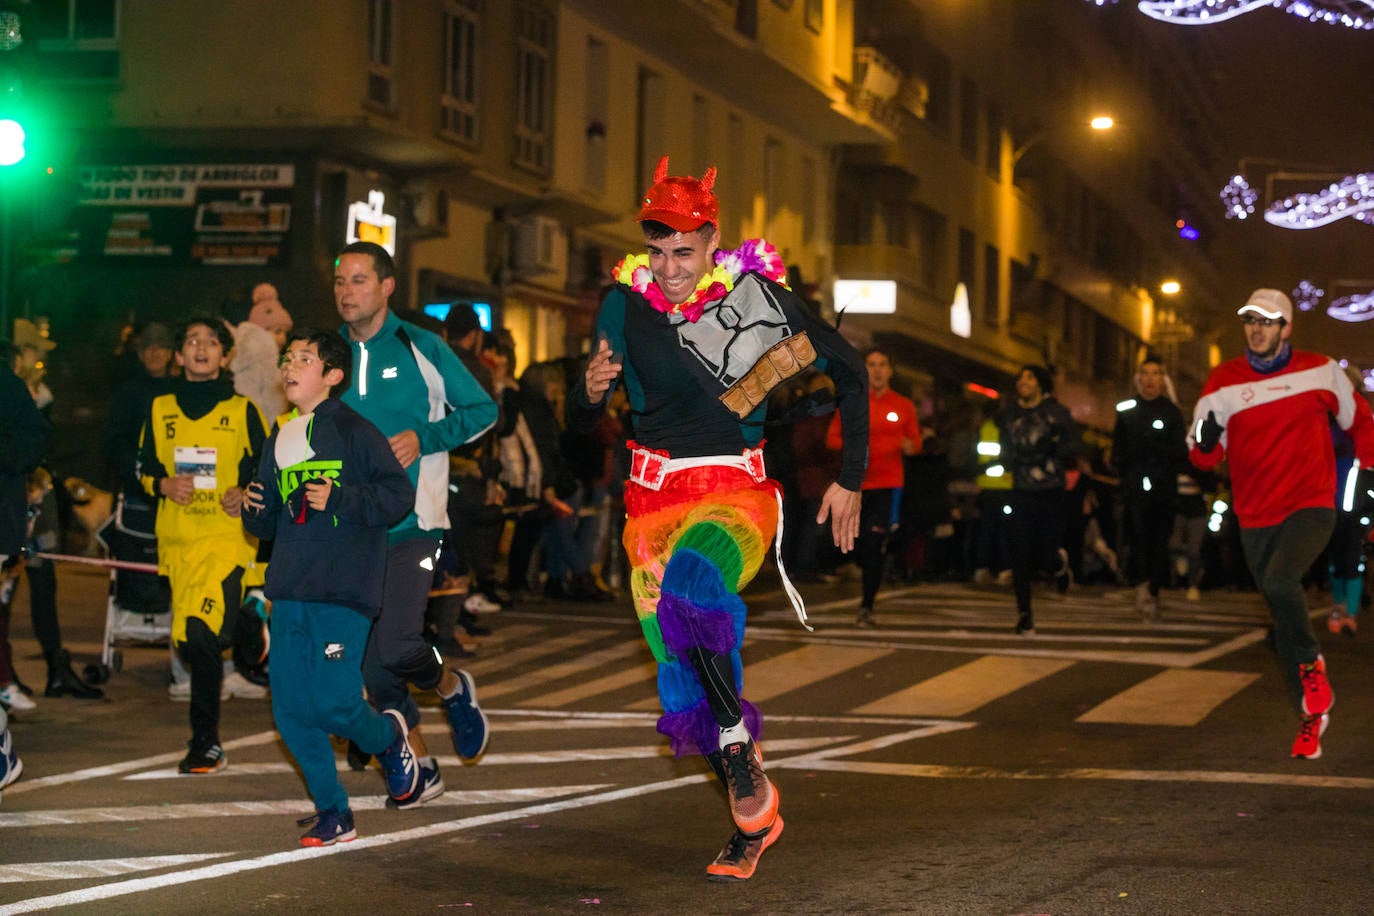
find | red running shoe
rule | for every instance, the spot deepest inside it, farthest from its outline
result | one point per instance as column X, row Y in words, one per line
column 1308, row 744
column 1317, row 697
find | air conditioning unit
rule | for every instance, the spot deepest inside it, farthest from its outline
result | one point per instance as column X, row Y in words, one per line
column 534, row 244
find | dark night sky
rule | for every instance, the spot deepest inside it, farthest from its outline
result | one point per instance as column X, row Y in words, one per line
column 1303, row 93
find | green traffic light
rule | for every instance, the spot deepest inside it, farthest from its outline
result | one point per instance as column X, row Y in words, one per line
column 11, row 142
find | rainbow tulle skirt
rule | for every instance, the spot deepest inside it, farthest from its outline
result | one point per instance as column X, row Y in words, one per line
column 693, row 544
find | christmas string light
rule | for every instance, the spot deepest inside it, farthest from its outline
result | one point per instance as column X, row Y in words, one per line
column 1307, row 295
column 1352, row 196
column 1353, row 14
column 1239, row 198
column 1359, row 307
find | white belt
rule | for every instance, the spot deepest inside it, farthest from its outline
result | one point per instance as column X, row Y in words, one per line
column 650, row 468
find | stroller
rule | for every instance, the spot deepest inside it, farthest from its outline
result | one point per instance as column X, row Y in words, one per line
column 139, row 608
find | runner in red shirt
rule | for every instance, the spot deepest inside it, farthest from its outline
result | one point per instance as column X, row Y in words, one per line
column 893, row 433
column 1267, row 412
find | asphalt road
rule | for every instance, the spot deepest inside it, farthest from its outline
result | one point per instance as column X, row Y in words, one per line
column 938, row 764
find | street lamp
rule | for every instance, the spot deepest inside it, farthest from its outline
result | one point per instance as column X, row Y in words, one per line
column 1101, row 123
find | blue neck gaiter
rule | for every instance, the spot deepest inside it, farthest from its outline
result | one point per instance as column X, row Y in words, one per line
column 1273, row 363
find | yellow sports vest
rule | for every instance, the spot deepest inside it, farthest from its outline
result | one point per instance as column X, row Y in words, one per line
column 210, row 448
column 990, row 457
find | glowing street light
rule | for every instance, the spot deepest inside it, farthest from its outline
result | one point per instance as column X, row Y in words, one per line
column 1100, row 122
column 1170, row 287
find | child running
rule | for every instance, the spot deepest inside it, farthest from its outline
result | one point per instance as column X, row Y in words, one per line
column 199, row 446
column 327, row 488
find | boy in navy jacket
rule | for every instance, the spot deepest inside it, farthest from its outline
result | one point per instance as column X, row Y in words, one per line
column 326, row 490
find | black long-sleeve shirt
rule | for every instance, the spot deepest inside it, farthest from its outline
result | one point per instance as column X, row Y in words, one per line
column 1149, row 442
column 675, row 387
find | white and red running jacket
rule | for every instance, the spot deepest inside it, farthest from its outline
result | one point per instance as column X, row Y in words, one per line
column 1277, row 435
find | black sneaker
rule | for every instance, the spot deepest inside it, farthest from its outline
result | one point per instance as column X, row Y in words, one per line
column 1025, row 625
column 865, row 619
column 330, row 827
column 203, row 758
column 431, row 786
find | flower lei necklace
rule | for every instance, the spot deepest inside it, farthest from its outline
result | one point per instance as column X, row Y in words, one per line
column 754, row 256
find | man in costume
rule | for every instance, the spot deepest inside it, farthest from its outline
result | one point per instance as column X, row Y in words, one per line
column 702, row 336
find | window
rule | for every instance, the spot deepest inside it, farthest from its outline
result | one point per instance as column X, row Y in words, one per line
column 701, row 135
column 810, row 188
column 992, row 153
column 649, row 145
column 534, row 31
column 815, row 15
column 967, row 267
column 380, row 40
column 77, row 39
column 992, row 287
column 598, row 97
column 85, row 23
column 774, row 178
column 930, row 239
column 968, row 117
column 459, row 113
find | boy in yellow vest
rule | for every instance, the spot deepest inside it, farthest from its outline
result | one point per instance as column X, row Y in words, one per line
column 198, row 449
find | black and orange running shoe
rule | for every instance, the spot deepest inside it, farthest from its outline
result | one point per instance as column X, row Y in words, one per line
column 753, row 797
column 740, row 856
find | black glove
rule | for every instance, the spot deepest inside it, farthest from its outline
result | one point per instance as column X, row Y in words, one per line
column 1208, row 433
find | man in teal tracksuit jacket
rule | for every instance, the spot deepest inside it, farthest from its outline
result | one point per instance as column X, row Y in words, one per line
column 409, row 383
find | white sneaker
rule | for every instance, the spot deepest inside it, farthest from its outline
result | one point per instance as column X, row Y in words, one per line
column 236, row 685
column 1004, row 578
column 11, row 697
column 478, row 603
column 180, row 690
column 1194, row 594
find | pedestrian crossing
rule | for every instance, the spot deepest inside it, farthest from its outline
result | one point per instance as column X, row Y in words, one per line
column 941, row 652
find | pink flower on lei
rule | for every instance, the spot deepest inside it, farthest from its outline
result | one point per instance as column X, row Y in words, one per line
column 754, row 256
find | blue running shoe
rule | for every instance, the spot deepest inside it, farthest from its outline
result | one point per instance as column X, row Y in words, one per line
column 398, row 761
column 466, row 719
column 431, row 786
column 330, row 827
column 10, row 765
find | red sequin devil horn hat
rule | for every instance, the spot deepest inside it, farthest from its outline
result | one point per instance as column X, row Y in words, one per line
column 681, row 201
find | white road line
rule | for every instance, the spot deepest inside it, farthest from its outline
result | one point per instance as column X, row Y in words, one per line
column 933, row 771
column 292, row 806
column 296, row 856
column 987, row 634
column 803, row 668
column 114, row 769
column 640, row 752
column 547, row 675
column 96, row 868
column 1175, row 696
column 961, row 690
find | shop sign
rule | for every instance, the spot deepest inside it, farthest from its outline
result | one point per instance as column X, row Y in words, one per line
column 210, row 214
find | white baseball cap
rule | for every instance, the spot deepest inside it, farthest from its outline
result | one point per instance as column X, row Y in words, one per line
column 1270, row 303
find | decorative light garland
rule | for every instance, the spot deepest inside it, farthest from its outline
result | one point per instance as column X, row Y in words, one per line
column 1359, row 307
column 1307, row 295
column 1239, row 197
column 1353, row 14
column 1352, row 196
